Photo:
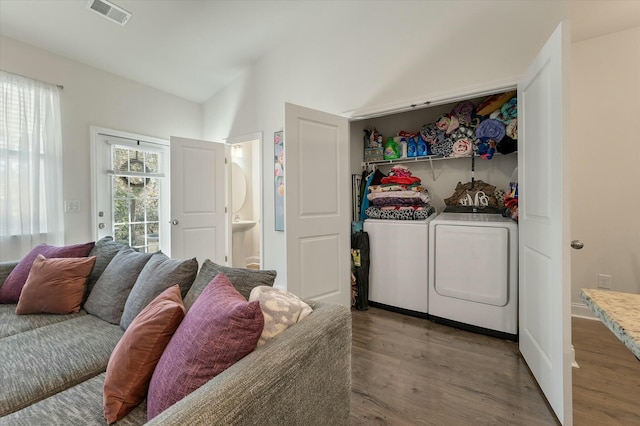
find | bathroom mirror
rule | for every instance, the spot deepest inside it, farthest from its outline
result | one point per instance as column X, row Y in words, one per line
column 238, row 187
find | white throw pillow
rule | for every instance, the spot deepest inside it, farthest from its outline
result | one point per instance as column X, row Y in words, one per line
column 280, row 308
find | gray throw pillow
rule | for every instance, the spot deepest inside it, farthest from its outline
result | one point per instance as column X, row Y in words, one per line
column 104, row 251
column 158, row 274
column 244, row 280
column 109, row 295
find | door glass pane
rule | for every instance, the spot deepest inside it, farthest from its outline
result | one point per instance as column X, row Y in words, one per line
column 120, row 211
column 139, row 236
column 151, row 162
column 121, row 233
column 120, row 187
column 152, row 210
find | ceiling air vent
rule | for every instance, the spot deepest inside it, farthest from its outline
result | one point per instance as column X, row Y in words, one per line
column 110, row 11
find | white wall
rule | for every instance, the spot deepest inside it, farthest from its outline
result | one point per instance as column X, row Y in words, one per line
column 605, row 160
column 359, row 65
column 94, row 97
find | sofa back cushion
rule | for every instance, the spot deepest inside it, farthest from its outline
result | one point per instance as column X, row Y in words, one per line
column 220, row 328
column 244, row 280
column 55, row 286
column 109, row 295
column 135, row 357
column 158, row 274
column 104, row 251
column 12, row 287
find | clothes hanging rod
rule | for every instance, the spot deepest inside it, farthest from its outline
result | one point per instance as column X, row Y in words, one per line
column 59, row 86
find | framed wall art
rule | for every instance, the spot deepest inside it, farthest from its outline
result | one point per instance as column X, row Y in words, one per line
column 278, row 160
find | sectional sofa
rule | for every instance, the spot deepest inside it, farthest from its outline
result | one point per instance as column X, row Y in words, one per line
column 52, row 370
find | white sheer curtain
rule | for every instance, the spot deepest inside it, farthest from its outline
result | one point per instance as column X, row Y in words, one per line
column 30, row 166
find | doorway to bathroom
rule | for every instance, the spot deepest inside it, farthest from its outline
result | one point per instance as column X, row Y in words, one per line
column 246, row 201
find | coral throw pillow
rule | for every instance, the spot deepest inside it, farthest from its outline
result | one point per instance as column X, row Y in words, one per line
column 220, row 328
column 135, row 357
column 55, row 286
column 10, row 290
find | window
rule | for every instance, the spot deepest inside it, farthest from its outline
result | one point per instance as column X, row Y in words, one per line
column 30, row 166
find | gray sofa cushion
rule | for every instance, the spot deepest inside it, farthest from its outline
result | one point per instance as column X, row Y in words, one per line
column 79, row 405
column 109, row 295
column 6, row 268
column 11, row 324
column 244, row 280
column 158, row 274
column 42, row 362
column 104, row 251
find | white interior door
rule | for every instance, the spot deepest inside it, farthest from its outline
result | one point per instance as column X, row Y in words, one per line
column 317, row 204
column 544, row 270
column 198, row 198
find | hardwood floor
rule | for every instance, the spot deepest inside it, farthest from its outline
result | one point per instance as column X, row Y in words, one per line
column 411, row 371
column 606, row 387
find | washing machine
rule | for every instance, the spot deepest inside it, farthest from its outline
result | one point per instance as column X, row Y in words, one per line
column 473, row 272
column 398, row 268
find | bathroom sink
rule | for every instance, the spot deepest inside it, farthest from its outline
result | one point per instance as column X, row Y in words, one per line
column 242, row 225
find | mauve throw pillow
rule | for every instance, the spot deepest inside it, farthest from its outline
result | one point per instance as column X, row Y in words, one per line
column 158, row 274
column 135, row 356
column 10, row 290
column 55, row 286
column 220, row 328
column 244, row 280
column 109, row 295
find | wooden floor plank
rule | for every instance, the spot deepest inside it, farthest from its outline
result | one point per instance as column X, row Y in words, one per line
column 411, row 371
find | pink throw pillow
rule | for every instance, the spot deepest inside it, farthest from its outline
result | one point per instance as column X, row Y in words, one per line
column 220, row 329
column 135, row 357
column 55, row 286
column 10, row 290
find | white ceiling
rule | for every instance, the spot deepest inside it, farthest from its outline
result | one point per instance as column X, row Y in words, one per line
column 193, row 48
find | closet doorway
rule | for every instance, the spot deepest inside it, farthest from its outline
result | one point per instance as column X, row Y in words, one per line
column 246, row 200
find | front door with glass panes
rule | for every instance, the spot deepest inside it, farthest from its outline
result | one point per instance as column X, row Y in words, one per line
column 131, row 196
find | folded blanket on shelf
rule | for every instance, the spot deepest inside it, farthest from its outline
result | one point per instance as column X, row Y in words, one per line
column 422, row 196
column 443, row 148
column 490, row 130
column 431, row 134
column 464, row 111
column 421, row 213
column 408, row 180
column 390, row 187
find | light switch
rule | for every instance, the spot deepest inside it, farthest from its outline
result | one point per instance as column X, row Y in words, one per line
column 71, row 206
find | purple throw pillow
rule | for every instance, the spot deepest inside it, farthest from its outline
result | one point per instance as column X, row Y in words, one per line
column 220, row 329
column 12, row 287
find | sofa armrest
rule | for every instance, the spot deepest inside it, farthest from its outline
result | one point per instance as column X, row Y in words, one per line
column 302, row 376
column 6, row 268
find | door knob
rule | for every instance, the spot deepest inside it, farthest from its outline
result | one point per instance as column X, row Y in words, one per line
column 577, row 244
column 174, row 222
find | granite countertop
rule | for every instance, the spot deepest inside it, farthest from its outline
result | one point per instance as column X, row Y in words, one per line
column 620, row 312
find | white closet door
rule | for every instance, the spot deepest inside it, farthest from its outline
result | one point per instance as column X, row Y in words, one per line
column 544, row 270
column 317, row 205
column 198, row 194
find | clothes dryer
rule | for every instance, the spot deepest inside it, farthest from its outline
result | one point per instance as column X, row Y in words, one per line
column 473, row 272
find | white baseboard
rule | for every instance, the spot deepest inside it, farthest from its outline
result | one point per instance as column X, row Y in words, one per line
column 582, row 311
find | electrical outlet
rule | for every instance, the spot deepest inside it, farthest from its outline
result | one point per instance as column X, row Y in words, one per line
column 604, row 281
column 72, row 206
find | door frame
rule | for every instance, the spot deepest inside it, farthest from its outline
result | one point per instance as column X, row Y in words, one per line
column 95, row 132
column 232, row 140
